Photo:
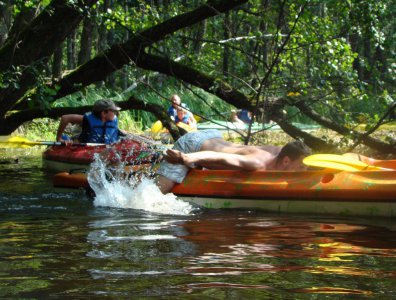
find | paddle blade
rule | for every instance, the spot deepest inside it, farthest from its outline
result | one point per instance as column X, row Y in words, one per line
column 15, row 142
column 197, row 118
column 156, row 127
column 337, row 162
column 185, row 126
column 331, row 165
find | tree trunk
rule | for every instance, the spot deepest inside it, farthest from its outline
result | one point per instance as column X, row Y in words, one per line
column 57, row 63
column 102, row 30
column 368, row 57
column 226, row 35
column 199, row 35
column 124, row 73
column 86, row 41
column 71, row 50
column 5, row 22
column 117, row 56
column 111, row 79
column 36, row 43
column 22, row 21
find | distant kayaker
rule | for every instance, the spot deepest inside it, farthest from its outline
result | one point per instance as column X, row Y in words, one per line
column 98, row 126
column 177, row 104
column 243, row 116
column 208, row 149
column 182, row 116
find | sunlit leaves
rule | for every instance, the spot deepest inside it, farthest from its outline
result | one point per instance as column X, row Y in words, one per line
column 11, row 78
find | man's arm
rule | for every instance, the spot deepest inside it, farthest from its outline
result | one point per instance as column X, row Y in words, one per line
column 65, row 120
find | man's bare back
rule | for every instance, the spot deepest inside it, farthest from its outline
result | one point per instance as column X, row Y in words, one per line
column 220, row 145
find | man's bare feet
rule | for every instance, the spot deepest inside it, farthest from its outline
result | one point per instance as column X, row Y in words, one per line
column 174, row 156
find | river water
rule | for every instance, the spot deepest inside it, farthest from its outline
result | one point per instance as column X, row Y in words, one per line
column 66, row 245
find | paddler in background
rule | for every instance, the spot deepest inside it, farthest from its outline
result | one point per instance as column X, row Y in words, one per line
column 242, row 116
column 98, row 126
column 183, row 117
column 172, row 110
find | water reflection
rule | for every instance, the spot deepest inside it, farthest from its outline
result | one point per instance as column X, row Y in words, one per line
column 290, row 249
column 117, row 252
column 244, row 252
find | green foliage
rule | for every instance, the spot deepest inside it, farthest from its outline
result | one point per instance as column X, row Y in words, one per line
column 319, row 60
column 39, row 130
column 11, row 78
column 22, row 5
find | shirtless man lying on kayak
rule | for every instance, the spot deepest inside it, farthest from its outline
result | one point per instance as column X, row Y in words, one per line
column 207, row 149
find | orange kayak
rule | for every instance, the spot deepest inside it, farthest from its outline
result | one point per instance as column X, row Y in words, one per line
column 368, row 193
column 323, row 185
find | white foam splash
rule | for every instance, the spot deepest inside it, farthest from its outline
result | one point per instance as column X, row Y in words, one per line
column 145, row 195
column 114, row 190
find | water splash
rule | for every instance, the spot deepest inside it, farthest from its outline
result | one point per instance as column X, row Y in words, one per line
column 114, row 186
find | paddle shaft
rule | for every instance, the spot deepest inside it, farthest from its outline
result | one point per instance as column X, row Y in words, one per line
column 45, row 143
column 64, row 144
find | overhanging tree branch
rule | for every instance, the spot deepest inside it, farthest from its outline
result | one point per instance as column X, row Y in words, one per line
column 190, row 75
column 119, row 55
column 365, row 139
column 27, row 52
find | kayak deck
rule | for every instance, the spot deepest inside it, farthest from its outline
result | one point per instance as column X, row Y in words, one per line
column 323, row 185
column 68, row 157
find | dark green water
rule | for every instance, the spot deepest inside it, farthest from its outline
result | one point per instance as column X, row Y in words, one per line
column 59, row 245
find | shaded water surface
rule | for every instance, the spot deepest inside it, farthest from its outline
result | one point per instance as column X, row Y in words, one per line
column 57, row 244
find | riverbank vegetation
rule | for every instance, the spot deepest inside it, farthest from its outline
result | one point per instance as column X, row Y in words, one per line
column 329, row 63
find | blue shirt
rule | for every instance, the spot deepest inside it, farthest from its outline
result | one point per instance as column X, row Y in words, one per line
column 172, row 112
column 243, row 115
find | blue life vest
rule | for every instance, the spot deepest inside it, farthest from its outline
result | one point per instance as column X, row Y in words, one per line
column 172, row 112
column 99, row 132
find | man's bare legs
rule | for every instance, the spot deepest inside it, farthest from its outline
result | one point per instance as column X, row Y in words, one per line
column 218, row 145
column 165, row 185
column 174, row 156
